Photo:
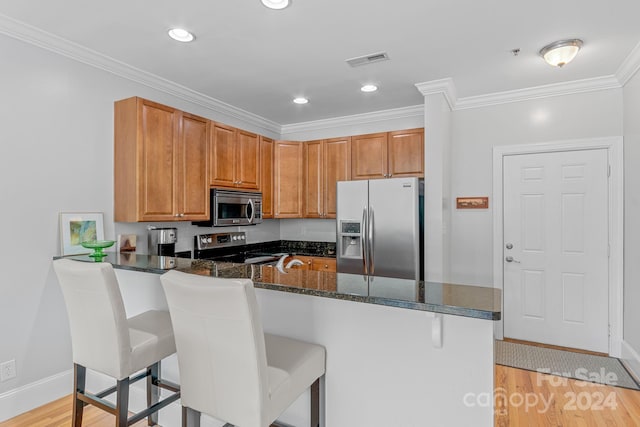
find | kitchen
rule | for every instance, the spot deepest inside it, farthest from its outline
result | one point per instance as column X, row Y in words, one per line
column 60, row 113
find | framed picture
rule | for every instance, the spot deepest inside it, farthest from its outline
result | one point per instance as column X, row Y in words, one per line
column 79, row 227
column 472, row 202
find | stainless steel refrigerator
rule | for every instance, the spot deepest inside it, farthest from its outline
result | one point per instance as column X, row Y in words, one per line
column 380, row 228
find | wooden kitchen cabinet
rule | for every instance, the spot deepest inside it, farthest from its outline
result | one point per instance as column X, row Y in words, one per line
column 234, row 158
column 160, row 163
column 406, row 153
column 388, row 154
column 288, row 179
column 266, row 176
column 325, row 163
column 313, row 263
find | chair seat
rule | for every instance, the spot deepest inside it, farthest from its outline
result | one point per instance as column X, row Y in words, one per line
column 293, row 366
column 151, row 337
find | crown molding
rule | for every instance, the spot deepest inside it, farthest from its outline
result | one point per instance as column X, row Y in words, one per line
column 37, row 37
column 536, row 92
column 443, row 86
column 629, row 66
column 355, row 119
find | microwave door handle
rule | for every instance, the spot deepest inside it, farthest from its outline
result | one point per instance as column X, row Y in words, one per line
column 250, row 218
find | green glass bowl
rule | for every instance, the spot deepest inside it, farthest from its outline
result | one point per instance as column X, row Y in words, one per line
column 98, row 246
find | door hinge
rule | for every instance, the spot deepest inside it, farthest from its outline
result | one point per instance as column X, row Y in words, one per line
column 609, row 329
column 608, row 170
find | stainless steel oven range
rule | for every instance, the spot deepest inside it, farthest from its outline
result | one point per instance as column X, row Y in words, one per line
column 230, row 247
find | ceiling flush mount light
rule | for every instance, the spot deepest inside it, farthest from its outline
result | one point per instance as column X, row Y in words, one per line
column 275, row 4
column 561, row 52
column 369, row 88
column 300, row 100
column 181, row 35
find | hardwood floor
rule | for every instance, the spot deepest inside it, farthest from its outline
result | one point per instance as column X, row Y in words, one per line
column 58, row 414
column 526, row 398
column 523, row 398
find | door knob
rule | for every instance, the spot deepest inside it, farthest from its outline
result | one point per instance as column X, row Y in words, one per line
column 510, row 259
column 509, row 246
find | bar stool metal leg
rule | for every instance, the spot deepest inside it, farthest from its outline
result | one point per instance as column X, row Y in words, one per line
column 79, row 380
column 153, row 391
column 122, row 403
column 190, row 417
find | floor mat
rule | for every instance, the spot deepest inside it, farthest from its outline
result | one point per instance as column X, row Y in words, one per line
column 586, row 367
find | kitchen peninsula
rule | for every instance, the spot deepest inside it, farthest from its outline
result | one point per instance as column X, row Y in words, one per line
column 399, row 352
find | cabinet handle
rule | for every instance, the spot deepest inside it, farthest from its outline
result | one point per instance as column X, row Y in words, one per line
column 326, row 266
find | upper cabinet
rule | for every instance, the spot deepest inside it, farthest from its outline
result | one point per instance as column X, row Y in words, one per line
column 406, row 153
column 288, row 179
column 388, row 154
column 266, row 176
column 234, row 158
column 160, row 163
column 326, row 162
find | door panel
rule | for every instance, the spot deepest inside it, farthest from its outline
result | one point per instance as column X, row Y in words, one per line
column 556, row 222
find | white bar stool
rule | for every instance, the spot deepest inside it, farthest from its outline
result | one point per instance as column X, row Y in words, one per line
column 229, row 368
column 104, row 340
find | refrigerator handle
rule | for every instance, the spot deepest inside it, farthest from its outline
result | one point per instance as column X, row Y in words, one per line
column 363, row 240
column 372, row 264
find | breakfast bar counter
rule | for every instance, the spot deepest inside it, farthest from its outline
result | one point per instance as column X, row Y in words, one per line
column 399, row 352
column 461, row 300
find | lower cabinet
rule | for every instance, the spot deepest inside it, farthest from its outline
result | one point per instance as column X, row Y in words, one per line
column 308, row 275
column 314, row 263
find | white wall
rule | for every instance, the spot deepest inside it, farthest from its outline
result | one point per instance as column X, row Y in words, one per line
column 57, row 156
column 474, row 134
column 631, row 336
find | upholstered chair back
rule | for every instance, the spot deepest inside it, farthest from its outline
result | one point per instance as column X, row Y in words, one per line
column 229, row 380
column 97, row 318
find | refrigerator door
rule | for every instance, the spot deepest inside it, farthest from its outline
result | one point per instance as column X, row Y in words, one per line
column 394, row 236
column 351, row 224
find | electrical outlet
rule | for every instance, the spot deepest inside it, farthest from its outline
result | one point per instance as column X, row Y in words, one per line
column 7, row 370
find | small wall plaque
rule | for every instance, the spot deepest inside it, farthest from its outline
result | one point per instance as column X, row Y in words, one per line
column 472, row 202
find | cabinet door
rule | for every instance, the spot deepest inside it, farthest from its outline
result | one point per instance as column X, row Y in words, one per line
column 369, row 156
column 247, row 160
column 337, row 167
column 266, row 176
column 323, row 264
column 313, row 179
column 157, row 167
column 288, row 179
column 222, row 156
column 193, row 182
column 406, row 153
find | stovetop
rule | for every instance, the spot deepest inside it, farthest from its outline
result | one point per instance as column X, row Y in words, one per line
column 233, row 247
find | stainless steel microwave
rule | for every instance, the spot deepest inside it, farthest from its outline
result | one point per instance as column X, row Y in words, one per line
column 232, row 207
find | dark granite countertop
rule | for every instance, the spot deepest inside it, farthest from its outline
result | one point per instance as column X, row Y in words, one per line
column 461, row 300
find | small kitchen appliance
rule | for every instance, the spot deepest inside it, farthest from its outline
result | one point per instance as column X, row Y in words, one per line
column 162, row 241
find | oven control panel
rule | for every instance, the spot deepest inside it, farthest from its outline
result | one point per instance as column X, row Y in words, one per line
column 219, row 240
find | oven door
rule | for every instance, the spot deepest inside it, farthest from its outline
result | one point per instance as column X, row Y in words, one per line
column 236, row 208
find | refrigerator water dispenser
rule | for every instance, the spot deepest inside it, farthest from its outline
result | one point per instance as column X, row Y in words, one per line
column 351, row 241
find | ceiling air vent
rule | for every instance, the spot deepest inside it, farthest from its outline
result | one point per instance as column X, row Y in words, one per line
column 368, row 59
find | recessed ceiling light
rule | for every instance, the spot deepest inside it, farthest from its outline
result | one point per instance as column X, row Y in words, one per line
column 300, row 100
column 181, row 35
column 369, row 88
column 276, row 4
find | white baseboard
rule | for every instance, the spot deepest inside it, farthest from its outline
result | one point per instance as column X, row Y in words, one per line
column 22, row 399
column 631, row 360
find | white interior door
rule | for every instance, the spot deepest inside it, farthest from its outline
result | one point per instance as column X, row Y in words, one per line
column 556, row 248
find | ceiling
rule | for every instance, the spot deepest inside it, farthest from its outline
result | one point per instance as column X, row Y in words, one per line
column 258, row 59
